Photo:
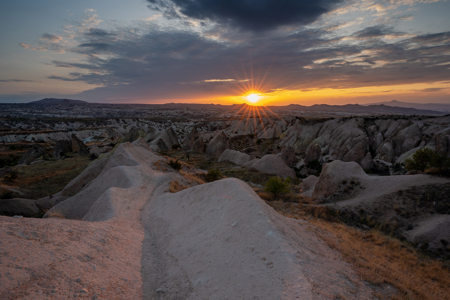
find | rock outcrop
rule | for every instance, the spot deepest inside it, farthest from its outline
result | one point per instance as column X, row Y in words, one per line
column 133, row 135
column 32, row 154
column 308, row 184
column 217, row 145
column 154, row 242
column 19, row 206
column 332, row 176
column 235, row 157
column 271, row 164
column 61, row 148
column 199, row 257
column 162, row 140
column 78, row 146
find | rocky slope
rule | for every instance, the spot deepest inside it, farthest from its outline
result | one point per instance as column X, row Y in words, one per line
column 373, row 142
column 127, row 237
column 411, row 207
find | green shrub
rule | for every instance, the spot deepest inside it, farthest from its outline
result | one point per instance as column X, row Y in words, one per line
column 277, row 186
column 213, row 175
column 175, row 164
column 420, row 160
column 426, row 158
column 440, row 162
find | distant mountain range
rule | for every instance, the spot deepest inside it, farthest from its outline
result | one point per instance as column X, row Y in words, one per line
column 444, row 107
column 56, row 101
column 385, row 108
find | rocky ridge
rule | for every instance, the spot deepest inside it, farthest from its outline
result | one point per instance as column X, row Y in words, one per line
column 168, row 245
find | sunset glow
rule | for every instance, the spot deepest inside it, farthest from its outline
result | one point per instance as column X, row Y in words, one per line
column 253, row 98
column 334, row 54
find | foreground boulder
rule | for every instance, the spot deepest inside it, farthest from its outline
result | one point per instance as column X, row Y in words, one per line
column 221, row 241
column 271, row 164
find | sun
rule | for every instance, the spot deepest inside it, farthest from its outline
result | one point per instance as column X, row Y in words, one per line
column 253, row 98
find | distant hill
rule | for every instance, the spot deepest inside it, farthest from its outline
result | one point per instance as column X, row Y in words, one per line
column 56, row 101
column 444, row 107
column 360, row 109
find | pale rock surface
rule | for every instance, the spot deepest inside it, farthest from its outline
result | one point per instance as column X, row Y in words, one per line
column 217, row 145
column 431, row 231
column 333, row 174
column 308, row 184
column 386, row 151
column 367, row 162
column 133, row 135
column 271, row 164
column 235, row 157
column 221, row 241
column 407, row 139
column 162, row 140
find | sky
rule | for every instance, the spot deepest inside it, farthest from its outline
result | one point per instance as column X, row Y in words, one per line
column 221, row 51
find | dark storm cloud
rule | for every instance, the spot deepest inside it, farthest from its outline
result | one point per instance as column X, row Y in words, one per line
column 179, row 64
column 255, row 15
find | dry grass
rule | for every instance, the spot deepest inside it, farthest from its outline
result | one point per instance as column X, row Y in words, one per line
column 160, row 165
column 55, row 214
column 193, row 177
column 379, row 259
column 175, row 187
column 48, row 178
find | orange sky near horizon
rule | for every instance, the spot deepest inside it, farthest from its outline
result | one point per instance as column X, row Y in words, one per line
column 407, row 92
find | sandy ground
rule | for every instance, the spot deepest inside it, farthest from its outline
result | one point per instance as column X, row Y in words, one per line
column 58, row 259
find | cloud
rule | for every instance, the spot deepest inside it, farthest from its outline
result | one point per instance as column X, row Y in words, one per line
column 31, row 47
column 251, row 15
column 178, row 64
column 147, row 62
column 15, row 80
column 51, row 37
column 96, row 32
column 431, row 90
